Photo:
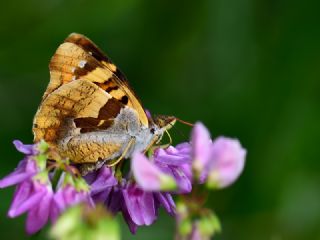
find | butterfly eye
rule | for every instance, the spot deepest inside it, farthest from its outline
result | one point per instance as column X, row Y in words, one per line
column 152, row 130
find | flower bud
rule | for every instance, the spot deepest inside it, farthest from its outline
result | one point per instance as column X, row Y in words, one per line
column 81, row 222
column 227, row 163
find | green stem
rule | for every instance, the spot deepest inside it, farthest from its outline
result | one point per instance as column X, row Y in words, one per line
column 56, row 177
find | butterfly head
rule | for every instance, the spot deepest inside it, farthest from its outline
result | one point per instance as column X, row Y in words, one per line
column 164, row 122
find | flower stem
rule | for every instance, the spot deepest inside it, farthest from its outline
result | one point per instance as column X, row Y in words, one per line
column 56, row 177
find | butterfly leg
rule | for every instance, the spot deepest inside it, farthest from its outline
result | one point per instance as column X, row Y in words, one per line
column 154, row 144
column 86, row 168
column 124, row 153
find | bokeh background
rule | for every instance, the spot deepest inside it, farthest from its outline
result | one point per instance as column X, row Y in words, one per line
column 248, row 69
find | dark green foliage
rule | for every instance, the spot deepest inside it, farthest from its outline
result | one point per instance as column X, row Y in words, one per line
column 247, row 69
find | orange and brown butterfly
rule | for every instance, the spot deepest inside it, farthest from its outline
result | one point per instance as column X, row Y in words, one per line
column 89, row 113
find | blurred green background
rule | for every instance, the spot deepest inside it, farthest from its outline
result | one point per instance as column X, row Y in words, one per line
column 247, row 69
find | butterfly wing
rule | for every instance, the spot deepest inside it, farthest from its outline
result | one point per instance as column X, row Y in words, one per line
column 55, row 123
column 85, row 94
column 79, row 58
column 77, row 99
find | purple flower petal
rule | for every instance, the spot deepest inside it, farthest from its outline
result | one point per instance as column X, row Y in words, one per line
column 104, row 180
column 114, row 202
column 195, row 234
column 67, row 196
column 148, row 113
column 181, row 176
column 201, row 147
column 132, row 226
column 184, row 147
column 148, row 176
column 166, row 201
column 86, row 198
column 54, row 212
column 63, row 197
column 27, row 195
column 173, row 156
column 103, row 196
column 183, row 181
column 39, row 215
column 91, row 177
column 26, row 169
column 140, row 205
column 28, row 149
column 228, row 158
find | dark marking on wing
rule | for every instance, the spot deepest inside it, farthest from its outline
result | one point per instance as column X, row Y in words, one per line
column 105, row 119
column 110, row 89
column 124, row 100
column 111, row 109
column 88, row 67
column 87, row 45
column 108, row 85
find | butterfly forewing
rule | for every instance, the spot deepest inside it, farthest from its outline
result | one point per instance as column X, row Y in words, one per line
column 117, row 84
column 79, row 58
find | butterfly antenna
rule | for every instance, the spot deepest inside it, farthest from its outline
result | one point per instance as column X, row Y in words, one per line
column 184, row 122
column 175, row 128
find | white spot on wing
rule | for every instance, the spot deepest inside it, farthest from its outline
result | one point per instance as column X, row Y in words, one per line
column 73, row 69
column 82, row 63
column 108, row 94
column 73, row 78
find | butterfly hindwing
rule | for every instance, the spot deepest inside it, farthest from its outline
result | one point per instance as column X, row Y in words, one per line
column 77, row 99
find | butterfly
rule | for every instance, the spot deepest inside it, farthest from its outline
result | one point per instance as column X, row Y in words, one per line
column 89, row 113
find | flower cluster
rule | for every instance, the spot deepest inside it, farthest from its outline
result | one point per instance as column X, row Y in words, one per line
column 139, row 203
column 218, row 162
column 136, row 188
column 35, row 194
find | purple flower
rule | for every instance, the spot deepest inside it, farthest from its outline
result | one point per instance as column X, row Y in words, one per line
column 228, row 158
column 175, row 161
column 139, row 204
column 68, row 196
column 219, row 162
column 35, row 197
column 27, row 149
column 141, row 208
column 175, row 156
column 101, row 183
column 34, row 194
column 27, row 168
column 138, row 207
column 137, row 194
